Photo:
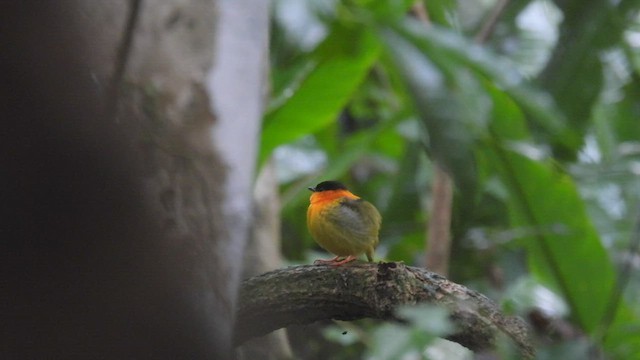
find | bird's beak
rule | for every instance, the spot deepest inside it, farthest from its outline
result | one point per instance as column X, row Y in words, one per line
column 312, row 189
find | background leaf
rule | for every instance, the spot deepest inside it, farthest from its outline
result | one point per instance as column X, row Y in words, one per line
column 341, row 63
column 564, row 249
column 445, row 137
column 574, row 74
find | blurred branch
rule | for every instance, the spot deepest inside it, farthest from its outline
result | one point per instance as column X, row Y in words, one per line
column 419, row 11
column 489, row 25
column 305, row 294
column 439, row 232
column 438, row 241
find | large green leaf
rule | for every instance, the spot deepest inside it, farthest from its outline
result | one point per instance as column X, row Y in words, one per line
column 341, row 63
column 626, row 113
column 449, row 50
column 574, row 74
column 564, row 249
column 448, row 139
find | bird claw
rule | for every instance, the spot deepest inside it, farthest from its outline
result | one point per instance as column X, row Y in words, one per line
column 334, row 261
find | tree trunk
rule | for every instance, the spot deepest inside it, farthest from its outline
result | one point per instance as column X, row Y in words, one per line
column 117, row 243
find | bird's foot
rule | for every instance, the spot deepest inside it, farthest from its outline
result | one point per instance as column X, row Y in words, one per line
column 335, row 261
column 326, row 262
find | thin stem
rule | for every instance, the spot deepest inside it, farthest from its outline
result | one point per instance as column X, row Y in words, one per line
column 490, row 24
column 438, row 240
column 439, row 232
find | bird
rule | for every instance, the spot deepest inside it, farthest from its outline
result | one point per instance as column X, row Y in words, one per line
column 342, row 223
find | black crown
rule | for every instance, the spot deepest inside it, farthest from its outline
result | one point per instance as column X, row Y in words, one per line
column 329, row 185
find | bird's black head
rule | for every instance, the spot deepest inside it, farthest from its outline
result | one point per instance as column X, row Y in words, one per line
column 328, row 185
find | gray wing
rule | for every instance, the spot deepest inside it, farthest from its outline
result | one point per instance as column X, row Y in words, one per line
column 359, row 216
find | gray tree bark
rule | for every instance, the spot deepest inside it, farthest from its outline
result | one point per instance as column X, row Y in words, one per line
column 308, row 293
column 117, row 243
column 262, row 255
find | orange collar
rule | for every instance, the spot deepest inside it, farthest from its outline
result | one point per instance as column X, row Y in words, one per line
column 330, row 195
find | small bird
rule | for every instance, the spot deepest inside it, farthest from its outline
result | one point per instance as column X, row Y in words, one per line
column 342, row 223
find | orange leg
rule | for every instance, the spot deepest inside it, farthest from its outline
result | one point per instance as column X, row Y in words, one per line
column 349, row 258
column 335, row 261
column 323, row 261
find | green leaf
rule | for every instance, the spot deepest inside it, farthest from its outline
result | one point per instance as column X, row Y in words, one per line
column 448, row 50
column 622, row 339
column 442, row 12
column 626, row 112
column 428, row 318
column 404, row 201
column 574, row 74
column 507, row 118
column 391, row 341
column 564, row 249
column 448, row 139
column 341, row 63
column 390, row 9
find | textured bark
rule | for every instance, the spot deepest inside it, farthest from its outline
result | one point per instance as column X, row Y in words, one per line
column 262, row 255
column 116, row 244
column 305, row 294
column 164, row 100
column 239, row 82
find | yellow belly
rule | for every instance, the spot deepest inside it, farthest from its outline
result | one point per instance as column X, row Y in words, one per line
column 337, row 238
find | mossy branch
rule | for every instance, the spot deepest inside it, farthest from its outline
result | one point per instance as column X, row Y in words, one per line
column 308, row 293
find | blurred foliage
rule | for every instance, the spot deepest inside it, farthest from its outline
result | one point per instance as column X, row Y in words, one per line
column 539, row 127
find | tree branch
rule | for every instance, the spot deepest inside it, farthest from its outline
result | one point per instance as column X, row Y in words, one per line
column 308, row 293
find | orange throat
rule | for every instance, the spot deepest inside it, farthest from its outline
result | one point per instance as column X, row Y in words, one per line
column 330, row 195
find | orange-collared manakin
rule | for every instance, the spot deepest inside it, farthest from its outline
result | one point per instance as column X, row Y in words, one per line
column 342, row 223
